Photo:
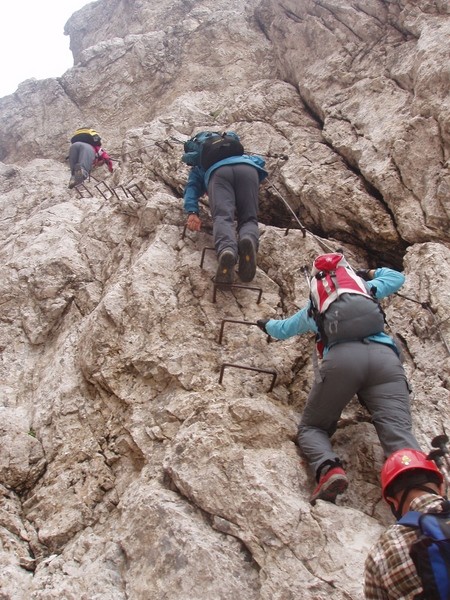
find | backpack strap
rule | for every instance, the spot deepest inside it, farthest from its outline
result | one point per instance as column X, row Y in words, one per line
column 333, row 278
column 410, row 519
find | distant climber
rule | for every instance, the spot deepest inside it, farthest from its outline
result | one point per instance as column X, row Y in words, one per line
column 409, row 482
column 231, row 179
column 85, row 154
column 358, row 358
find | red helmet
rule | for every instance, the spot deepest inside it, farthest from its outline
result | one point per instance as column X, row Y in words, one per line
column 406, row 460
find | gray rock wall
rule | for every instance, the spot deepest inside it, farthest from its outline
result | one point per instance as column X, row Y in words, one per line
column 126, row 469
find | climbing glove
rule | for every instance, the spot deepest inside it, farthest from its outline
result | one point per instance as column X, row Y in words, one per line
column 366, row 274
column 262, row 324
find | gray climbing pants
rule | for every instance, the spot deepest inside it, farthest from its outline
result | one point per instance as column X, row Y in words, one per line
column 374, row 372
column 82, row 154
column 233, row 193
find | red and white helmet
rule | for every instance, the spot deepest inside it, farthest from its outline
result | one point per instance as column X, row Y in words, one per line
column 404, row 460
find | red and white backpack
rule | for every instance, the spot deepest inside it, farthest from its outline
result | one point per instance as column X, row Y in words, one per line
column 342, row 306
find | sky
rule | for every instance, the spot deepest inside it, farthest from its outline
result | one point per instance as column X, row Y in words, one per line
column 32, row 40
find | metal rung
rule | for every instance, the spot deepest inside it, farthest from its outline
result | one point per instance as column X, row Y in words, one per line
column 120, row 187
column 203, row 254
column 236, row 285
column 81, row 189
column 136, row 187
column 269, row 338
column 269, row 371
column 184, row 232
column 232, row 321
column 103, row 192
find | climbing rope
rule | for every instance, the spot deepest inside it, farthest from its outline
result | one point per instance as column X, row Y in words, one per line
column 303, row 229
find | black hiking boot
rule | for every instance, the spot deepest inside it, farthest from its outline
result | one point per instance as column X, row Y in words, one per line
column 247, row 259
column 225, row 270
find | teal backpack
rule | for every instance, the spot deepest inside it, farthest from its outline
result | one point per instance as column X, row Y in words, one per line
column 208, row 147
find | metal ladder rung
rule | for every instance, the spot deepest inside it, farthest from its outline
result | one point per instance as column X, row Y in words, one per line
column 247, row 368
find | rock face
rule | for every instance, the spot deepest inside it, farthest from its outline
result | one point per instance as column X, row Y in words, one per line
column 135, row 462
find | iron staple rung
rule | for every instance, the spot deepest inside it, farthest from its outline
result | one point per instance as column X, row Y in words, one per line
column 135, row 185
column 204, row 252
column 236, row 285
column 247, row 368
column 102, row 192
column 82, row 188
column 120, row 187
column 233, row 321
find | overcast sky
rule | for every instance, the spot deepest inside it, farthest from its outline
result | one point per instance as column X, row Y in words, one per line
column 32, row 40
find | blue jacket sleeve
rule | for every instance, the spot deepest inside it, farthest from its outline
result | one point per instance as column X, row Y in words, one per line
column 386, row 282
column 195, row 188
column 299, row 323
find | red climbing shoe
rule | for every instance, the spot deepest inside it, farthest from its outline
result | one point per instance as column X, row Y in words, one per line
column 330, row 485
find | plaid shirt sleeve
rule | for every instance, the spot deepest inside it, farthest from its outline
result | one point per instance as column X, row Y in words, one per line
column 390, row 573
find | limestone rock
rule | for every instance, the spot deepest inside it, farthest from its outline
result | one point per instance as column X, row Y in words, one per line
column 148, row 427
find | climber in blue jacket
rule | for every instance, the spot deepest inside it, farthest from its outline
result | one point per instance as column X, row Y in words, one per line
column 369, row 368
column 232, row 185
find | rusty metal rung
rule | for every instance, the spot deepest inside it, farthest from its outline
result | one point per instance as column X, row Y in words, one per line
column 203, row 254
column 81, row 189
column 236, row 285
column 120, row 187
column 233, row 321
column 269, row 339
column 135, row 185
column 185, row 228
column 269, row 371
column 102, row 192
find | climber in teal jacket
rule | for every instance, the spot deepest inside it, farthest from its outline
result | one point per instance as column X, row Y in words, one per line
column 198, row 179
column 233, row 186
column 369, row 368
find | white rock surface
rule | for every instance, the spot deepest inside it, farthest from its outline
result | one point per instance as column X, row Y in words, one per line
column 127, row 471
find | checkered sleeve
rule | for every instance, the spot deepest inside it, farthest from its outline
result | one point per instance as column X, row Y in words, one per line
column 390, row 572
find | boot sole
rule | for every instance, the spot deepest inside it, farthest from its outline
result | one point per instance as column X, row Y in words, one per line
column 79, row 176
column 333, row 487
column 247, row 260
column 225, row 270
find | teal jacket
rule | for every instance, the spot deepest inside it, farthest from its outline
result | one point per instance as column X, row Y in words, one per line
column 198, row 179
column 385, row 282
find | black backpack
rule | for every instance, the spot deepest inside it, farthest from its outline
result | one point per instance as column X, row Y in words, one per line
column 209, row 147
